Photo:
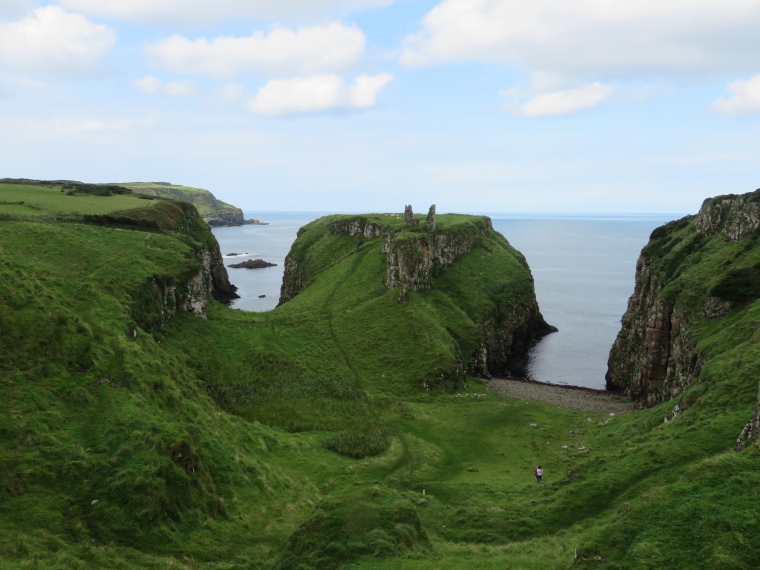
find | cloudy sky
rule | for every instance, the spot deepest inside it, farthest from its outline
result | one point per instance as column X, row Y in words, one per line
column 367, row 105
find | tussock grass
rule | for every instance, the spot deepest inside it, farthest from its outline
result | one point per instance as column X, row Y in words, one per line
column 47, row 200
column 302, row 437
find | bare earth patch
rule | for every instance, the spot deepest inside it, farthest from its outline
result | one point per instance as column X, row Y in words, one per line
column 575, row 397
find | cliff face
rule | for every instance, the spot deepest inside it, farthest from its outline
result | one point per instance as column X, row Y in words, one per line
column 413, row 260
column 208, row 276
column 213, row 211
column 413, row 257
column 652, row 358
column 506, row 315
column 692, row 275
column 162, row 296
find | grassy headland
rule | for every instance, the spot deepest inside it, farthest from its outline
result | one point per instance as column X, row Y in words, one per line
column 302, row 438
column 212, row 210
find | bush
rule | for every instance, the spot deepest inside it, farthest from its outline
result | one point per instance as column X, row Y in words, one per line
column 739, row 285
column 359, row 444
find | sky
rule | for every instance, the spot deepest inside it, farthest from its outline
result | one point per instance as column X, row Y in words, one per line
column 626, row 106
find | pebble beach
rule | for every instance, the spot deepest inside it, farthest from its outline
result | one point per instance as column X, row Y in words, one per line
column 574, row 397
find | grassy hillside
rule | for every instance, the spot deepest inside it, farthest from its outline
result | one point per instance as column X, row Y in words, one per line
column 214, row 211
column 301, row 438
column 51, row 199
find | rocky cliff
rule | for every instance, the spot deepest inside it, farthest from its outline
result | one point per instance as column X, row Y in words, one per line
column 213, row 211
column 695, row 280
column 449, row 259
column 162, row 296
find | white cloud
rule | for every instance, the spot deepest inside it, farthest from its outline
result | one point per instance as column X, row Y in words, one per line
column 566, row 102
column 179, row 88
column 202, row 12
column 592, row 37
column 148, row 85
column 314, row 49
column 52, row 41
column 744, row 98
column 154, row 86
column 316, row 94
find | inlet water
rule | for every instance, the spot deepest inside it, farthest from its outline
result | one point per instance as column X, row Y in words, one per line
column 583, row 266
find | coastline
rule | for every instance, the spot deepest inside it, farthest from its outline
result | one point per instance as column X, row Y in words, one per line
column 575, row 397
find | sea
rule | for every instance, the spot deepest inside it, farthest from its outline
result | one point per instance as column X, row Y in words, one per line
column 583, row 266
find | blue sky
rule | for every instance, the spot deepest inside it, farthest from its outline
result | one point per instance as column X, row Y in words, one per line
column 366, row 105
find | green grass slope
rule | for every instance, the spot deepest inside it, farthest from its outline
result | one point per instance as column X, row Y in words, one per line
column 301, row 437
column 53, row 199
column 211, row 209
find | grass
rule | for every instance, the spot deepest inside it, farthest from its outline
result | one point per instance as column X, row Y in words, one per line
column 206, row 203
column 51, row 200
column 303, row 437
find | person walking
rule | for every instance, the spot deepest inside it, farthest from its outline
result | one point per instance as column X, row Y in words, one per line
column 539, row 473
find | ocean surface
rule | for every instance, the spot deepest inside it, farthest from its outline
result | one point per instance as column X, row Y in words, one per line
column 583, row 266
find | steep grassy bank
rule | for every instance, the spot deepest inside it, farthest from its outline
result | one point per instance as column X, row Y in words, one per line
column 303, row 437
column 215, row 212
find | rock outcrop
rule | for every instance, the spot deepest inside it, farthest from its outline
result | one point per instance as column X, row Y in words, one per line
column 162, row 296
column 252, row 264
column 213, row 211
column 652, row 359
column 415, row 258
column 751, row 430
column 731, row 215
column 655, row 357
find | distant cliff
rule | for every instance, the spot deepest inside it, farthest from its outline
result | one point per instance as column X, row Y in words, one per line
column 695, row 298
column 214, row 212
column 463, row 259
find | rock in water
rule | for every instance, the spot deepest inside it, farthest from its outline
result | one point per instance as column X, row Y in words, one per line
column 253, row 264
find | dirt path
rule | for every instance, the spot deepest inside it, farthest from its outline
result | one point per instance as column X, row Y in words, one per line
column 566, row 396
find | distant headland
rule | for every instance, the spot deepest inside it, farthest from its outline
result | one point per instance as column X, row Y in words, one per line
column 214, row 212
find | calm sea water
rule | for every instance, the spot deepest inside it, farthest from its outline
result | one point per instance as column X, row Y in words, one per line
column 583, row 266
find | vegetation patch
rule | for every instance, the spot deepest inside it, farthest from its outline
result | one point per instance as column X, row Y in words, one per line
column 341, row 429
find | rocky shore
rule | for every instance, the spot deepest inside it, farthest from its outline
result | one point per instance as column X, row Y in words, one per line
column 575, row 397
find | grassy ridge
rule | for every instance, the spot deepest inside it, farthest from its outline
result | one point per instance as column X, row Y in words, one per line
column 210, row 208
column 232, row 442
column 43, row 199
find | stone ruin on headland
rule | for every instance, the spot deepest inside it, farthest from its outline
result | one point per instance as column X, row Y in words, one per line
column 412, row 223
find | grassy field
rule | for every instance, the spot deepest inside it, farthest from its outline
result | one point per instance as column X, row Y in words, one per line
column 46, row 200
column 301, row 438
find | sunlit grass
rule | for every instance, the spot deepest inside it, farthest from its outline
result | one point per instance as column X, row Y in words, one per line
column 302, row 436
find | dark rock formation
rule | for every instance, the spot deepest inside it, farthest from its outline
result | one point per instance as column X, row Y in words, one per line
column 751, row 430
column 409, row 218
column 654, row 357
column 160, row 297
column 253, row 264
column 413, row 260
column 430, row 222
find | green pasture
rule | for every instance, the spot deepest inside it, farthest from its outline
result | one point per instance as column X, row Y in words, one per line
column 47, row 200
column 303, row 438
